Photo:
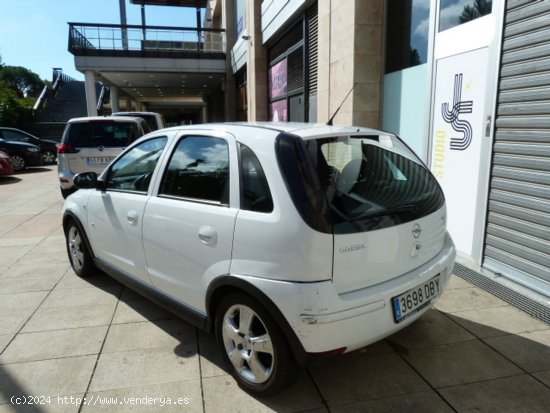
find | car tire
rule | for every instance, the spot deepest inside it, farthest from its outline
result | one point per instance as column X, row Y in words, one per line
column 48, row 156
column 18, row 162
column 66, row 192
column 256, row 352
column 77, row 249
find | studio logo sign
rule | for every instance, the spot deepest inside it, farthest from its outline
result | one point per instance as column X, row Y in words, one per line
column 451, row 115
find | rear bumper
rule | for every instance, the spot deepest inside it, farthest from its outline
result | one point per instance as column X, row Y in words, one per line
column 324, row 320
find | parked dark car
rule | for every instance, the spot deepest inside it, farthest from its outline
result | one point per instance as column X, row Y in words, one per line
column 5, row 165
column 47, row 147
column 22, row 154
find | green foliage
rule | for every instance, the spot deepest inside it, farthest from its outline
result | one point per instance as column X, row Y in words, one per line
column 480, row 8
column 14, row 111
column 24, row 82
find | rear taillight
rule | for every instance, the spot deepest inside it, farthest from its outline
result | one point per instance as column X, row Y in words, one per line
column 66, row 148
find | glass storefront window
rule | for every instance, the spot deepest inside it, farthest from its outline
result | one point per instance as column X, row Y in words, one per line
column 453, row 13
column 407, row 32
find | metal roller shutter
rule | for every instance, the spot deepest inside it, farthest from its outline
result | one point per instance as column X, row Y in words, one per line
column 517, row 241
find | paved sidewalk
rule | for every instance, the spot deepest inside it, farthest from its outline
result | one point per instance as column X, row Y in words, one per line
column 64, row 336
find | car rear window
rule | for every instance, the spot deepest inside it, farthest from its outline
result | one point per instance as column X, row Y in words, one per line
column 101, row 133
column 368, row 182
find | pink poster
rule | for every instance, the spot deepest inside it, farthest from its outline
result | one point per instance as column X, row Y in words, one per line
column 277, row 79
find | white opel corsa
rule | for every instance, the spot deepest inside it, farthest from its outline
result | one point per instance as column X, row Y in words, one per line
column 288, row 241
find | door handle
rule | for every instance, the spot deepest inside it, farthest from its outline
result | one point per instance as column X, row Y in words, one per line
column 132, row 217
column 208, row 235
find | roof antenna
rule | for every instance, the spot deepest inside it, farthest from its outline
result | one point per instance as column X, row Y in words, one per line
column 329, row 123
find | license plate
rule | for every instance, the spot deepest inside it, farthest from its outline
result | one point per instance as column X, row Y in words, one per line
column 412, row 301
column 99, row 160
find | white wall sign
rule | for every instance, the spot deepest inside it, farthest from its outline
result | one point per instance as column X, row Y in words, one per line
column 458, row 130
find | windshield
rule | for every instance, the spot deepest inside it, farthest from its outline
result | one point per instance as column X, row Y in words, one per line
column 372, row 182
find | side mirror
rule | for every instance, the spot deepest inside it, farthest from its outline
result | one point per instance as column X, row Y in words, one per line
column 86, row 180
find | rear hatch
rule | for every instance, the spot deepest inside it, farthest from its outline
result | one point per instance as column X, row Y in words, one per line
column 386, row 209
column 92, row 145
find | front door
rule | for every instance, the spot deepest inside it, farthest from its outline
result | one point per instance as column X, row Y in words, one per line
column 188, row 228
column 466, row 48
column 120, row 208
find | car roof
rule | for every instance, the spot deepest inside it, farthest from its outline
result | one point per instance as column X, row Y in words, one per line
column 134, row 113
column 105, row 118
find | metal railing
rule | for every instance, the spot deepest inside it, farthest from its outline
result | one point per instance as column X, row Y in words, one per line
column 58, row 77
column 99, row 39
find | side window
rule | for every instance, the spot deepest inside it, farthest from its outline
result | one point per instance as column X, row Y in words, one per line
column 15, row 136
column 255, row 193
column 198, row 169
column 133, row 171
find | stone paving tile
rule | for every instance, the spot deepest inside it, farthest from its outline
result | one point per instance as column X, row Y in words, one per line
column 357, row 377
column 221, row 394
column 142, row 310
column 56, row 404
column 456, row 282
column 15, row 310
column 143, row 367
column 492, row 322
column 82, row 297
column 433, row 328
column 512, row 394
column 18, row 285
column 4, row 340
column 460, row 363
column 10, row 222
column 10, row 255
column 71, row 281
column 54, row 344
column 211, row 358
column 461, row 299
column 530, row 351
column 35, row 270
column 47, row 377
column 147, row 335
column 425, row 402
column 57, row 318
column 178, row 396
column 544, row 377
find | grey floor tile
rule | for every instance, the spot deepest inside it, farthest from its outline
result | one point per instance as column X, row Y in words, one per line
column 142, row 310
column 357, row 377
column 461, row 299
column 457, row 282
column 433, row 328
column 10, row 255
column 425, row 402
column 512, row 394
column 61, row 299
column 24, row 285
column 35, row 270
column 544, row 377
column 49, row 377
column 55, row 404
column 212, row 363
column 162, row 333
column 60, row 318
column 72, row 281
column 15, row 310
column 460, row 363
column 54, row 344
column 178, row 396
column 4, row 340
column 143, row 367
column 222, row 394
column 530, row 351
column 493, row 322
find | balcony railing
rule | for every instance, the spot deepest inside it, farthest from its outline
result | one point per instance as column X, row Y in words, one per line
column 147, row 41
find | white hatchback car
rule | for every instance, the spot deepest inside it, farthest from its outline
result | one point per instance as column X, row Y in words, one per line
column 288, row 241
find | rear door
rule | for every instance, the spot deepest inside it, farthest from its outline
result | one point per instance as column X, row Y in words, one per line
column 188, row 228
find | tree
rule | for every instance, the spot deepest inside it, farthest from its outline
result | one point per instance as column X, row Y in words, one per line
column 21, row 80
column 480, row 8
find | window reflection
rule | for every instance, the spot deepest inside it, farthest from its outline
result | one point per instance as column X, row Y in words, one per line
column 453, row 13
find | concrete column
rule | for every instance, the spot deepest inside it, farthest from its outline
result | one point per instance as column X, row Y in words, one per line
column 204, row 113
column 91, row 95
column 115, row 107
column 350, row 50
column 228, row 22
column 256, row 64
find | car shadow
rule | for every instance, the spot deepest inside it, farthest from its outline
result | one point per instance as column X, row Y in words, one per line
column 31, row 170
column 9, row 180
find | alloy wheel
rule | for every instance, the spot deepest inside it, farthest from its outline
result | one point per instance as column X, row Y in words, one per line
column 248, row 344
column 76, row 252
column 18, row 162
column 48, row 157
